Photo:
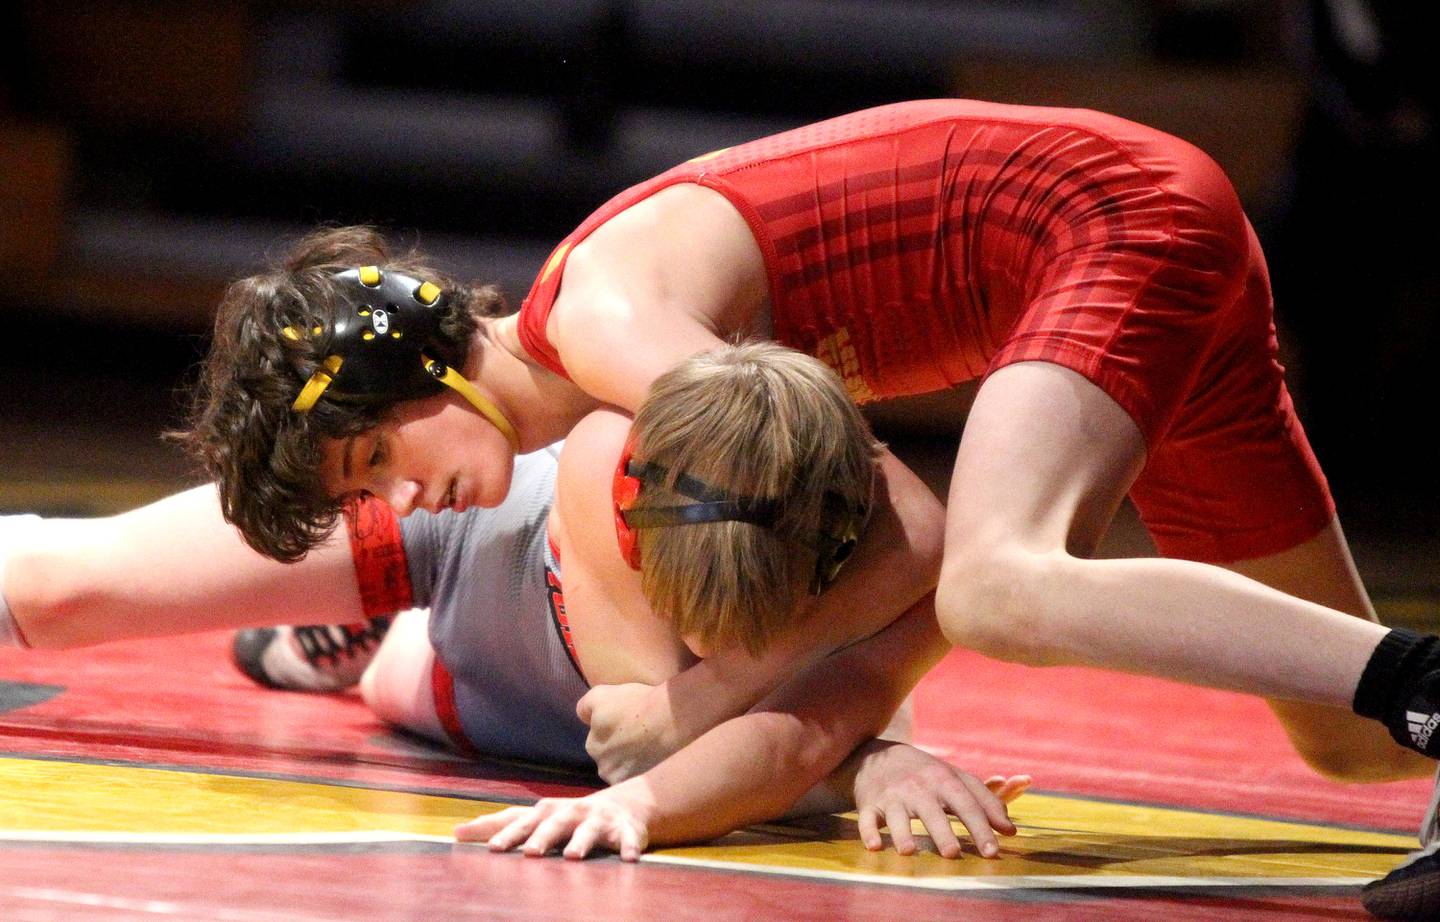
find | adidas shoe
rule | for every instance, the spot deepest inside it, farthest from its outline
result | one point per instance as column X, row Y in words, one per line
column 311, row 657
column 1411, row 891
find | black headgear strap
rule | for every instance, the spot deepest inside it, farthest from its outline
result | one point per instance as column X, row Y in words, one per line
column 714, row 504
column 840, row 526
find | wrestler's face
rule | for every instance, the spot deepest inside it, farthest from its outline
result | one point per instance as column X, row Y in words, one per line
column 435, row 453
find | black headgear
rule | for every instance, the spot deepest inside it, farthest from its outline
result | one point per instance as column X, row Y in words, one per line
column 378, row 347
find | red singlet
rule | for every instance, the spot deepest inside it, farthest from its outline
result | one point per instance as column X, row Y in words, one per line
column 916, row 246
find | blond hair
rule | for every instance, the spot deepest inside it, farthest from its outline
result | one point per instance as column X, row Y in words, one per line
column 769, row 425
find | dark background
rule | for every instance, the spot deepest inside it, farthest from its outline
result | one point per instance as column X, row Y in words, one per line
column 152, row 149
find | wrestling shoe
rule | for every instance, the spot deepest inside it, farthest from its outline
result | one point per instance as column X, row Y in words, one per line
column 310, row 657
column 1412, row 891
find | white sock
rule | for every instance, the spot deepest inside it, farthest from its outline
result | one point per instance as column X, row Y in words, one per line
column 11, row 529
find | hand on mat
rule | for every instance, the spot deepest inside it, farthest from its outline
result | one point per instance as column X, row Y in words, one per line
column 896, row 782
column 616, row 818
column 631, row 729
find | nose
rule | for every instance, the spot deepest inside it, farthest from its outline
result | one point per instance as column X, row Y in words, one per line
column 401, row 495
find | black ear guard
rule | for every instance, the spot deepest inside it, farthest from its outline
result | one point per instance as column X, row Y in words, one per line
column 840, row 525
column 838, row 538
column 392, row 321
column 379, row 343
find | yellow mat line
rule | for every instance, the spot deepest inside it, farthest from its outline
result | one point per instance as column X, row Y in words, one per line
column 1063, row 841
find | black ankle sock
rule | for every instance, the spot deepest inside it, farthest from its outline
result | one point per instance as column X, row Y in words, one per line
column 1401, row 688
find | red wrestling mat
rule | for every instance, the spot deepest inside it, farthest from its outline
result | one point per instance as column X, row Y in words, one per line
column 1139, row 739
column 470, row 884
column 179, row 704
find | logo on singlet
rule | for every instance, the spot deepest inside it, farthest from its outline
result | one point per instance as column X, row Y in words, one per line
column 556, row 597
column 837, row 351
column 1422, row 727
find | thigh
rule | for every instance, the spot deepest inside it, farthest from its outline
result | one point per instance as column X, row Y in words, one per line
column 1102, row 357
column 1318, row 569
column 1234, row 477
column 1045, row 461
column 398, row 685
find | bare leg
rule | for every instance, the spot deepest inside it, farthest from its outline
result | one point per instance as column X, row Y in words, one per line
column 1335, row 741
column 397, row 683
column 1044, row 462
column 167, row 568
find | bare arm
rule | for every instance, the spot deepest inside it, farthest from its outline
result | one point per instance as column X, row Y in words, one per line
column 753, row 767
column 620, row 640
column 617, row 637
column 678, row 273
column 748, row 768
column 171, row 567
column 633, row 727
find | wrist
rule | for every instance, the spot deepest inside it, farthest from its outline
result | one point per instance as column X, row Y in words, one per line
column 638, row 794
column 869, row 761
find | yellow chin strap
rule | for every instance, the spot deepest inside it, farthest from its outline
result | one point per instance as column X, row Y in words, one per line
column 457, row 382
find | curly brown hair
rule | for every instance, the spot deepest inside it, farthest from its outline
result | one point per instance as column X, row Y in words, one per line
column 264, row 456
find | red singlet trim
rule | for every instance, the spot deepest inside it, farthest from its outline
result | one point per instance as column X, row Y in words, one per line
column 557, row 608
column 379, row 557
column 442, row 687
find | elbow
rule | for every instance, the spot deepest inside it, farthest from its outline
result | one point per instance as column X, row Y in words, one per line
column 799, row 752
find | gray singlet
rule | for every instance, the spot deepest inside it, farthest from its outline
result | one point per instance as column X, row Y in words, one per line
column 482, row 574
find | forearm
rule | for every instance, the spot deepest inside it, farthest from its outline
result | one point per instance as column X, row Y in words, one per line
column 835, row 793
column 897, row 565
column 723, row 686
column 757, row 766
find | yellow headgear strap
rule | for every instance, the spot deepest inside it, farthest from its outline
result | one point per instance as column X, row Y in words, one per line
column 310, row 393
column 457, row 382
column 320, row 380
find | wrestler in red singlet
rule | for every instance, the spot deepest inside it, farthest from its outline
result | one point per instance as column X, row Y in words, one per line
column 916, row 246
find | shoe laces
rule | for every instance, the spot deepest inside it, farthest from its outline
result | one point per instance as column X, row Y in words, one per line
column 332, row 643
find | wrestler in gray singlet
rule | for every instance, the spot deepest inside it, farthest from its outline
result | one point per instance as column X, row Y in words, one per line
column 482, row 574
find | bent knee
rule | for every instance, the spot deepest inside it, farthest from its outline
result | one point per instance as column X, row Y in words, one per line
column 1350, row 766
column 397, row 685
column 1001, row 602
column 50, row 597
column 1341, row 746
